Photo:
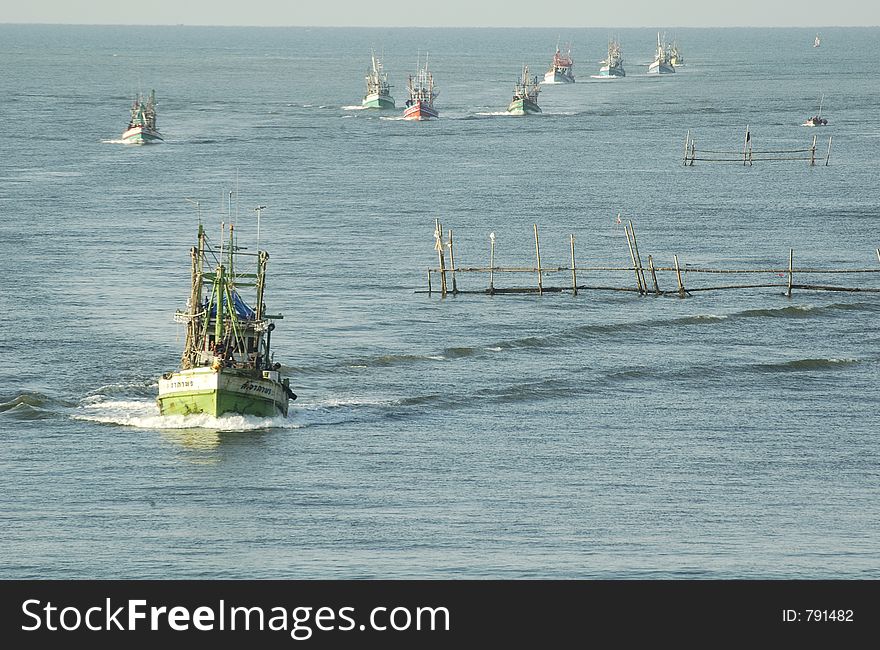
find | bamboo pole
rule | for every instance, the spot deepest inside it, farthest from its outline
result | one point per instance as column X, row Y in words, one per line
column 813, row 152
column 693, row 151
column 438, row 236
column 574, row 277
column 687, row 141
column 828, row 155
column 878, row 254
column 746, row 143
column 491, row 262
column 678, row 274
column 790, row 269
column 633, row 258
column 452, row 263
column 538, row 257
column 653, row 275
column 632, row 231
column 429, row 282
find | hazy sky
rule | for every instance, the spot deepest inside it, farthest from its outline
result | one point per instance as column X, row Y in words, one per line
column 453, row 13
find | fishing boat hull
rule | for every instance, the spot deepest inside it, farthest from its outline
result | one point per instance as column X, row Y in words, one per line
column 420, row 111
column 141, row 135
column 523, row 107
column 383, row 102
column 559, row 77
column 223, row 390
column 658, row 67
column 616, row 71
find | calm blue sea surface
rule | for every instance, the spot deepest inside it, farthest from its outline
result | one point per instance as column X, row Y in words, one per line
column 732, row 434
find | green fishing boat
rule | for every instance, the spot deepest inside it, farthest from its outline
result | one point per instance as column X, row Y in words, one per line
column 227, row 364
column 378, row 89
column 525, row 95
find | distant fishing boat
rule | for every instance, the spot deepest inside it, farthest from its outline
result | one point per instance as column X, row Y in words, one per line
column 817, row 119
column 378, row 90
column 420, row 105
column 525, row 95
column 817, row 41
column 227, row 364
column 562, row 68
column 142, row 124
column 613, row 65
column 661, row 63
column 675, row 57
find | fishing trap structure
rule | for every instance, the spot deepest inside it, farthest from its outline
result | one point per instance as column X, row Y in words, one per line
column 679, row 279
column 749, row 155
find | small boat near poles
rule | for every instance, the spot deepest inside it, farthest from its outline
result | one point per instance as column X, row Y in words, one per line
column 817, row 119
column 227, row 364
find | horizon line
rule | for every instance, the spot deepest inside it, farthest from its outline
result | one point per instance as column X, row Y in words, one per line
column 262, row 26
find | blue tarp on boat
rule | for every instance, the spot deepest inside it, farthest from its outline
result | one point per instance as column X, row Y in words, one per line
column 242, row 310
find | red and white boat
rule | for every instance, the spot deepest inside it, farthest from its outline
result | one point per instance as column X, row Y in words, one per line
column 420, row 105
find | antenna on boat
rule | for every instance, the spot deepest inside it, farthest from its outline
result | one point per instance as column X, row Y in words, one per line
column 259, row 210
column 198, row 205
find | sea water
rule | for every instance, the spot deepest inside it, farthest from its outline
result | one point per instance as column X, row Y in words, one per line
column 731, row 434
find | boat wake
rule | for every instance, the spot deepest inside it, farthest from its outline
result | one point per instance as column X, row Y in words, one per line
column 497, row 114
column 145, row 415
column 354, row 108
column 114, row 141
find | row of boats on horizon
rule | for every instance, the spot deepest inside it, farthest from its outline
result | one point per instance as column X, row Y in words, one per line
column 422, row 92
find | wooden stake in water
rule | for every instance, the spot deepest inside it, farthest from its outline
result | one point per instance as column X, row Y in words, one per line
column 438, row 245
column 429, row 282
column 632, row 256
column 828, row 155
column 790, row 268
column 653, row 275
column 687, row 142
column 491, row 262
column 693, row 151
column 678, row 274
column 574, row 277
column 746, row 144
column 538, row 257
column 632, row 231
column 452, row 262
column 813, row 152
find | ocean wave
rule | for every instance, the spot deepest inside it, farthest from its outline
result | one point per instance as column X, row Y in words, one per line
column 791, row 311
column 29, row 406
column 801, row 365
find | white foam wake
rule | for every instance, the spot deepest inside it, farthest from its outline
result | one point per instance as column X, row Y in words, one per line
column 145, row 415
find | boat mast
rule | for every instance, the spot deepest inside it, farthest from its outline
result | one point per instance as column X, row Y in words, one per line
column 195, row 301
